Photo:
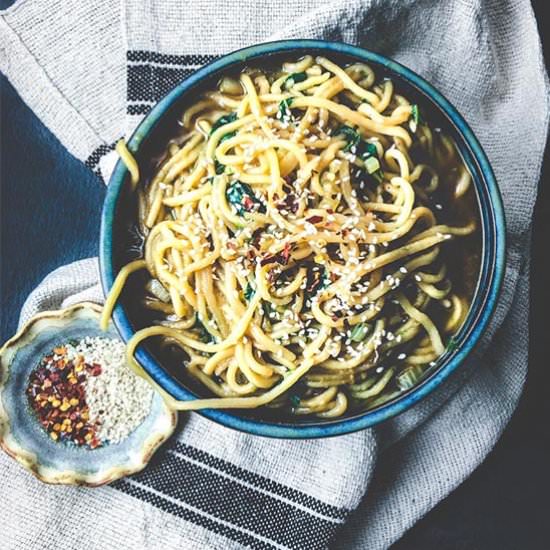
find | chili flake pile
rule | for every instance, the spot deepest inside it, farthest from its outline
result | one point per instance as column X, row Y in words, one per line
column 83, row 393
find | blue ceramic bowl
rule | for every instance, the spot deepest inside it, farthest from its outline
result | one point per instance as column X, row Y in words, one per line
column 117, row 219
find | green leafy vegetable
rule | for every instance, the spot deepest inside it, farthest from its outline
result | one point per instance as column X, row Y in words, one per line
column 369, row 150
column 219, row 167
column 359, row 332
column 365, row 150
column 294, row 78
column 204, row 335
column 284, row 114
column 248, row 292
column 408, row 377
column 295, row 400
column 352, row 136
column 241, row 196
column 372, row 165
column 229, row 135
column 416, row 118
column 452, row 345
column 222, row 121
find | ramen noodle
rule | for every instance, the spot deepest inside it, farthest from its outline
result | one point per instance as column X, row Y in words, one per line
column 298, row 241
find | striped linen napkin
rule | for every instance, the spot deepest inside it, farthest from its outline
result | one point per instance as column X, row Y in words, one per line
column 91, row 71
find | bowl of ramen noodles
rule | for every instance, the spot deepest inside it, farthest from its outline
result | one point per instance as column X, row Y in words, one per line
column 302, row 239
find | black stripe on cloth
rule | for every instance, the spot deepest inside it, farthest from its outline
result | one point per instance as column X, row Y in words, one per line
column 139, row 108
column 238, row 505
column 97, row 154
column 262, row 482
column 142, row 56
column 150, row 82
column 93, row 160
column 151, row 75
column 190, row 515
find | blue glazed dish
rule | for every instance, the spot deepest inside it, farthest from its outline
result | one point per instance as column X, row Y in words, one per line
column 113, row 242
column 23, row 438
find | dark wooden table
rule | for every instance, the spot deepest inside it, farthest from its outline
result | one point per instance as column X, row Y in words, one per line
column 504, row 505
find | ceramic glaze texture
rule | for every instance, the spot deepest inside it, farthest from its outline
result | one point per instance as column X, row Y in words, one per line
column 488, row 198
column 23, row 437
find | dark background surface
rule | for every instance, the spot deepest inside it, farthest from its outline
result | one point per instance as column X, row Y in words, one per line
column 504, row 505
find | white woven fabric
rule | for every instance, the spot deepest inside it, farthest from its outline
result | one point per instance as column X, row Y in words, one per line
column 76, row 65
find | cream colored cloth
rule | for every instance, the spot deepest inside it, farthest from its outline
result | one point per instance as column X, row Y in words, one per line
column 90, row 70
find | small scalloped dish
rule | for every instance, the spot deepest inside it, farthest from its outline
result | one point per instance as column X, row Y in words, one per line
column 21, row 434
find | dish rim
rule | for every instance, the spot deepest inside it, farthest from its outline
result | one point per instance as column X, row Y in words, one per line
column 492, row 265
column 29, row 459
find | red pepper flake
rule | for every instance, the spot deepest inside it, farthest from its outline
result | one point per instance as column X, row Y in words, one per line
column 248, row 203
column 315, row 278
column 94, row 369
column 55, row 393
column 280, row 258
column 314, row 219
column 314, row 281
column 285, row 254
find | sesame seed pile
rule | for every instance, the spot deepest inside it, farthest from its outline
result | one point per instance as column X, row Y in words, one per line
column 84, row 394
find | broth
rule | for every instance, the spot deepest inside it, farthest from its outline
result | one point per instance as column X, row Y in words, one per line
column 355, row 199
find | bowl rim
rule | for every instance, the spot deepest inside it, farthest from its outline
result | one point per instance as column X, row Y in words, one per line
column 492, row 264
